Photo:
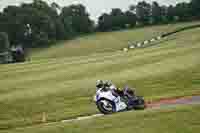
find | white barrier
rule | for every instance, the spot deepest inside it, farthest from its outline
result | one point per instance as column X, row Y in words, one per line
column 139, row 45
column 146, row 42
column 159, row 37
column 125, row 49
column 132, row 47
column 152, row 40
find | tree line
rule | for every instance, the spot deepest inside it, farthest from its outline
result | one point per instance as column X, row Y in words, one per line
column 39, row 24
column 145, row 13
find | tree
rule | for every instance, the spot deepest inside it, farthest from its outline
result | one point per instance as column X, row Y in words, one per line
column 5, row 56
column 73, row 15
column 26, row 24
column 156, row 13
column 171, row 12
column 104, row 22
column 37, row 24
column 56, row 7
column 183, row 11
column 132, row 8
column 117, row 18
column 18, row 54
column 143, row 12
column 61, row 33
column 47, row 17
column 195, row 8
column 13, row 24
column 164, row 14
column 4, row 48
column 4, row 42
column 130, row 18
column 116, row 12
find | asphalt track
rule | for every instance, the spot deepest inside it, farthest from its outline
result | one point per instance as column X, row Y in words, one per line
column 162, row 103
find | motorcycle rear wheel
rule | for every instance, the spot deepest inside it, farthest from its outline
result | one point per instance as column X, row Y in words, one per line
column 140, row 104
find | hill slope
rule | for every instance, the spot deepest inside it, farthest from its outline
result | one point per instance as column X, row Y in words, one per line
column 104, row 42
column 63, row 87
column 181, row 119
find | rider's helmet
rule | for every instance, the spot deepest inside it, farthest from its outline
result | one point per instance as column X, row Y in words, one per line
column 108, row 83
column 99, row 84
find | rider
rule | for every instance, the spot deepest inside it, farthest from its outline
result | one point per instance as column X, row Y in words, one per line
column 126, row 93
column 108, row 85
column 99, row 84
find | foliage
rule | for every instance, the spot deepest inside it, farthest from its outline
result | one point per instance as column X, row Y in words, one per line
column 156, row 13
column 4, row 42
column 144, row 14
column 195, row 8
column 116, row 20
column 37, row 24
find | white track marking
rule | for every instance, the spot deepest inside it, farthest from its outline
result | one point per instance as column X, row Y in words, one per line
column 181, row 101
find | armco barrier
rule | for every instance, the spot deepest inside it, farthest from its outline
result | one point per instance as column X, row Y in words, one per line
column 144, row 43
column 181, row 29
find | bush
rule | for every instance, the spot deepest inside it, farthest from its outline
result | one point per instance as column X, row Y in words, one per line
column 5, row 56
column 4, row 43
column 18, row 54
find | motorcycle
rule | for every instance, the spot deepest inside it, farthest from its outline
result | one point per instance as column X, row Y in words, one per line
column 108, row 102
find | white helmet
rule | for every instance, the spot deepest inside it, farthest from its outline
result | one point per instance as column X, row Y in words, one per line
column 99, row 83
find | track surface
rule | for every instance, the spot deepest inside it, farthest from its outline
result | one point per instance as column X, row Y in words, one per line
column 162, row 103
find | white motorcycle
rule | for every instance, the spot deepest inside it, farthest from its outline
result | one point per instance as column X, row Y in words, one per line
column 107, row 102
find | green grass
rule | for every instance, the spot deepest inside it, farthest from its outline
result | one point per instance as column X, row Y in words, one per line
column 63, row 86
column 104, row 42
column 183, row 119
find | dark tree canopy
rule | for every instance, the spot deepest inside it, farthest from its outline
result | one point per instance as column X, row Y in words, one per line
column 183, row 11
column 38, row 24
column 76, row 18
column 171, row 13
column 104, row 22
column 116, row 19
column 143, row 12
column 130, row 18
column 195, row 8
column 156, row 14
column 4, row 43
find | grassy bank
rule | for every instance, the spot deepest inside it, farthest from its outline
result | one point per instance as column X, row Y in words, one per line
column 63, row 87
column 184, row 119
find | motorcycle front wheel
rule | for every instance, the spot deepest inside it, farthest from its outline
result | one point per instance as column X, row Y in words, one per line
column 106, row 106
